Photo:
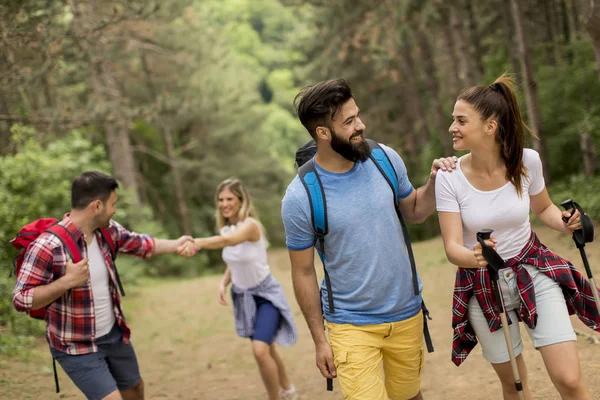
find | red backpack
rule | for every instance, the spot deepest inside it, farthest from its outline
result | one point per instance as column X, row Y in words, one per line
column 33, row 230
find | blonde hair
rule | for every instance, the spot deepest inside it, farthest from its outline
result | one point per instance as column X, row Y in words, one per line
column 236, row 187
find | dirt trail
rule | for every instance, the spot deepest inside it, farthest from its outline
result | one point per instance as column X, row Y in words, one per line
column 188, row 349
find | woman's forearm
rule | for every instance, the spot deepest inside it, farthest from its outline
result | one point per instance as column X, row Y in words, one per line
column 461, row 256
column 226, row 279
column 211, row 243
column 552, row 218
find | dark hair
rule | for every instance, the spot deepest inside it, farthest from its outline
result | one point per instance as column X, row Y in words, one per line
column 90, row 186
column 498, row 101
column 316, row 105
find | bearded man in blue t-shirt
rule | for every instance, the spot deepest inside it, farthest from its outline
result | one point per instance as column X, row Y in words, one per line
column 377, row 315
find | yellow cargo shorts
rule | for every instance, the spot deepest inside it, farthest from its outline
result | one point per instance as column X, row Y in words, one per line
column 360, row 350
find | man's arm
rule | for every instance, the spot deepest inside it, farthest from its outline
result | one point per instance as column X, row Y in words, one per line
column 35, row 288
column 420, row 204
column 144, row 245
column 306, row 289
column 164, row 246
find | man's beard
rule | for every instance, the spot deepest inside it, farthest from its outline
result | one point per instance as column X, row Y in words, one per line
column 355, row 152
column 103, row 221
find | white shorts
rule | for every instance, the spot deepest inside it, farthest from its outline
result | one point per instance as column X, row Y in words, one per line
column 553, row 324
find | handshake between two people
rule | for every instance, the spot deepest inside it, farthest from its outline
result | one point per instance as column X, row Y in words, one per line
column 186, row 246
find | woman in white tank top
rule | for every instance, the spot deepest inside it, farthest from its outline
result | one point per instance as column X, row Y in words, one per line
column 495, row 186
column 261, row 310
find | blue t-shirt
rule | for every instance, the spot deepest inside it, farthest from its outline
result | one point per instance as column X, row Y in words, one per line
column 365, row 253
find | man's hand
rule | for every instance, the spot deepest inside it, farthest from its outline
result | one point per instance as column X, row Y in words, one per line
column 445, row 164
column 325, row 360
column 186, row 246
column 77, row 274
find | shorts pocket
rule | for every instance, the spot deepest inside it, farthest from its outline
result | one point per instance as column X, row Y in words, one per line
column 345, row 373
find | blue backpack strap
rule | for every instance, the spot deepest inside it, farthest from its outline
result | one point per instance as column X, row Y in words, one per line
column 318, row 209
column 384, row 165
column 386, row 168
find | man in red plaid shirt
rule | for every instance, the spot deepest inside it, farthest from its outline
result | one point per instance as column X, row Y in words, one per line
column 86, row 327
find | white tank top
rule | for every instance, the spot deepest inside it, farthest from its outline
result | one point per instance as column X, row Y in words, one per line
column 103, row 305
column 247, row 261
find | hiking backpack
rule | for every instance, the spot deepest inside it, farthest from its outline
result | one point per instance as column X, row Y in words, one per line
column 30, row 232
column 318, row 208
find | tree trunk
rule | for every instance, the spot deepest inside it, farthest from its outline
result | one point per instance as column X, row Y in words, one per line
column 106, row 96
column 508, row 37
column 590, row 158
column 530, row 85
column 475, row 40
column 550, row 44
column 467, row 66
column 182, row 210
column 563, row 16
column 573, row 12
column 416, row 104
column 593, row 28
column 456, row 82
column 428, row 63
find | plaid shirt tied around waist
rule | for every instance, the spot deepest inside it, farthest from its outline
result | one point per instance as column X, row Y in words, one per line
column 244, row 310
column 476, row 282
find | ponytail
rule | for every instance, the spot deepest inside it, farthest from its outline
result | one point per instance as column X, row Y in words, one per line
column 498, row 101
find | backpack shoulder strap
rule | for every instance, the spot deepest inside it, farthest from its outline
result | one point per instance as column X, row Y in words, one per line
column 111, row 244
column 114, row 249
column 384, row 165
column 67, row 241
column 318, row 210
column 316, row 196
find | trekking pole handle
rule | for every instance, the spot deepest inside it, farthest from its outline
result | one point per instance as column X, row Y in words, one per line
column 568, row 204
column 485, row 234
column 495, row 262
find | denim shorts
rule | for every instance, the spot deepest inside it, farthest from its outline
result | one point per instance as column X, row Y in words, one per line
column 268, row 320
column 113, row 367
column 553, row 323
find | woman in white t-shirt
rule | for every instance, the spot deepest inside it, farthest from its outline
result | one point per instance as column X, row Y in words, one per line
column 495, row 186
column 261, row 310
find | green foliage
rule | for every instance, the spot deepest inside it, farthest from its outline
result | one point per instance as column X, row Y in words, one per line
column 214, row 82
column 584, row 190
column 36, row 183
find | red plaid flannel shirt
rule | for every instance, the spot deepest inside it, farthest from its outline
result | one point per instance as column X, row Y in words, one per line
column 476, row 282
column 70, row 319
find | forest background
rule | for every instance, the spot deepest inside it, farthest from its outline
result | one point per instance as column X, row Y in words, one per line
column 173, row 97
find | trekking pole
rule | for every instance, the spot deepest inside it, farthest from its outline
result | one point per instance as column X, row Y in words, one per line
column 581, row 237
column 495, row 263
